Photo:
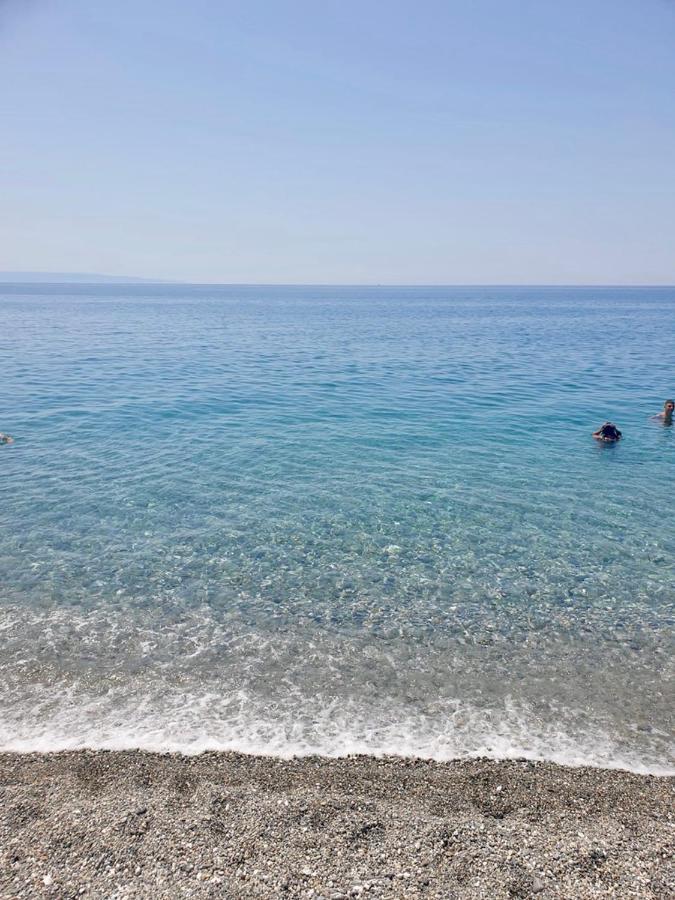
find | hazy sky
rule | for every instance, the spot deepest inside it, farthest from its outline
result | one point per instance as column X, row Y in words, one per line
column 434, row 141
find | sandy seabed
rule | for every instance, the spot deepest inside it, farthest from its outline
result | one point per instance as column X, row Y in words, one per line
column 120, row 824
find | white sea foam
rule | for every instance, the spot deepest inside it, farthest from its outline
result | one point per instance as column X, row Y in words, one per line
column 193, row 724
column 176, row 680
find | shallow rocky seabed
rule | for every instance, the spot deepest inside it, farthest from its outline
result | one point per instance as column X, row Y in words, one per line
column 133, row 824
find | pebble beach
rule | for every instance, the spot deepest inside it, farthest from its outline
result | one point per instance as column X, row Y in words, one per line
column 120, row 824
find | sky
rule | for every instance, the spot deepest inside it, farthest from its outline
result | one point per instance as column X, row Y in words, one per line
column 425, row 142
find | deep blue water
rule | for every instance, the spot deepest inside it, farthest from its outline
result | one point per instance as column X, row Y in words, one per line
column 295, row 519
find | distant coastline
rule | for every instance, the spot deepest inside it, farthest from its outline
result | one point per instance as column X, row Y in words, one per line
column 75, row 278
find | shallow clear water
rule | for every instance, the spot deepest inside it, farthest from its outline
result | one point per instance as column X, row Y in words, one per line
column 338, row 519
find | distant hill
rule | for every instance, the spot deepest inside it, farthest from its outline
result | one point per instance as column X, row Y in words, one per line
column 74, row 278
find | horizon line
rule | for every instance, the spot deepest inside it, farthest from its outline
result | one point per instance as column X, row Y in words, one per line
column 101, row 279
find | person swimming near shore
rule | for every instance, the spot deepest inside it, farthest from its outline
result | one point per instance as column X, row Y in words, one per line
column 608, row 433
column 6, row 438
column 667, row 415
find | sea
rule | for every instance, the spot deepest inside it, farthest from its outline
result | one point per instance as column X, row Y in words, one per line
column 332, row 520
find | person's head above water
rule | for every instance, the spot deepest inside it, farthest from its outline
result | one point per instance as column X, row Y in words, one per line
column 608, row 433
column 666, row 416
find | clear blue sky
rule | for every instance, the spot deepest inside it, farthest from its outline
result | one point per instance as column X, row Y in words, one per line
column 435, row 141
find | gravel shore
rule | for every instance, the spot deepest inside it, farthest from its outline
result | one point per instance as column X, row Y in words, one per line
column 143, row 825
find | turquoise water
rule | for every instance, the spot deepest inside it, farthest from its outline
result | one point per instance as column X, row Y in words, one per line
column 317, row 519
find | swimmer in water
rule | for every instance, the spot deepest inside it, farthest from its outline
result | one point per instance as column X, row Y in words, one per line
column 667, row 415
column 6, row 438
column 608, row 433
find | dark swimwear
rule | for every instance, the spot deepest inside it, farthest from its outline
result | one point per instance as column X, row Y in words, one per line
column 609, row 432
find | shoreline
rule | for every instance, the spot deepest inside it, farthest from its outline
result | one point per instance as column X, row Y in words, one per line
column 104, row 823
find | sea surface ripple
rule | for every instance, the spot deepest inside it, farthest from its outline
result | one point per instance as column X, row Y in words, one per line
column 328, row 520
